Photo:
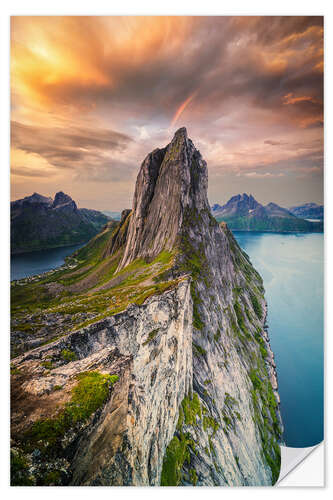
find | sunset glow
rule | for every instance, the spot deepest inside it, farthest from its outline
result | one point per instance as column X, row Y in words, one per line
column 92, row 96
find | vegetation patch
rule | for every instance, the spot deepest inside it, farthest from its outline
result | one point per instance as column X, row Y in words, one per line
column 199, row 350
column 70, row 310
column 239, row 328
column 212, row 423
column 14, row 370
column 19, row 470
column 89, row 394
column 178, row 450
column 68, row 355
column 197, row 321
column 230, row 416
column 217, row 335
column 191, row 409
column 47, row 364
column 193, row 477
column 229, row 400
column 266, row 419
column 177, row 453
column 256, row 305
column 52, row 478
column 151, row 336
column 261, row 342
column 240, row 320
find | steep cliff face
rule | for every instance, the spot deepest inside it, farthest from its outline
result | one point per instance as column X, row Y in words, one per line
column 171, row 181
column 180, row 329
column 150, row 349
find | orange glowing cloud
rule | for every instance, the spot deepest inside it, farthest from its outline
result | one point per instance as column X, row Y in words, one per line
column 82, row 87
column 66, row 61
column 290, row 99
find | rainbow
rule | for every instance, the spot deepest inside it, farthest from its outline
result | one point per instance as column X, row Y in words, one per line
column 181, row 108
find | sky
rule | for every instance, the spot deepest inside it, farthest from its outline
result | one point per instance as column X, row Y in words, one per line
column 92, row 96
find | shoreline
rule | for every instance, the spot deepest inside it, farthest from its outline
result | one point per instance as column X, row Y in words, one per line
column 25, row 252
column 272, row 232
column 40, row 276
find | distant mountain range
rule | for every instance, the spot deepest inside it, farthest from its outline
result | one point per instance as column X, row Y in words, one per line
column 39, row 222
column 245, row 213
column 308, row 211
column 113, row 215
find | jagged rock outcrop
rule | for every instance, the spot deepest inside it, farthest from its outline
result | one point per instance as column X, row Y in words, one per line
column 241, row 204
column 171, row 180
column 63, row 201
column 35, row 198
column 181, row 322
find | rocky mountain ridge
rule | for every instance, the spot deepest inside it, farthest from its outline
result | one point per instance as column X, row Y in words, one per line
column 39, row 222
column 176, row 347
column 244, row 213
column 308, row 211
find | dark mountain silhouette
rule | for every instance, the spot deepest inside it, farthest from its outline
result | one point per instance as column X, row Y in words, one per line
column 39, row 222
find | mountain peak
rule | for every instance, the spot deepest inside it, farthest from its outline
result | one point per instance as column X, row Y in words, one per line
column 308, row 211
column 216, row 206
column 240, row 204
column 248, row 197
column 62, row 200
column 181, row 132
column 37, row 198
column 170, row 180
column 34, row 199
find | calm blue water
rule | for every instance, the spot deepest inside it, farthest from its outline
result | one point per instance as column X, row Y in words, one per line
column 28, row 264
column 291, row 266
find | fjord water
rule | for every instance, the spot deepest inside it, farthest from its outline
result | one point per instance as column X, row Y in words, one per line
column 29, row 264
column 291, row 266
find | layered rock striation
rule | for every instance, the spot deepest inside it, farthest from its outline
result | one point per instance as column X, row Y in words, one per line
column 180, row 326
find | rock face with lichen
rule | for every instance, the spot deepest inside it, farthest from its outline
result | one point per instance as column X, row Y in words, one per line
column 175, row 347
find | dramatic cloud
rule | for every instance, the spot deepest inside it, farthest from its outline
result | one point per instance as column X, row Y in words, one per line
column 70, row 147
column 28, row 172
column 91, row 96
